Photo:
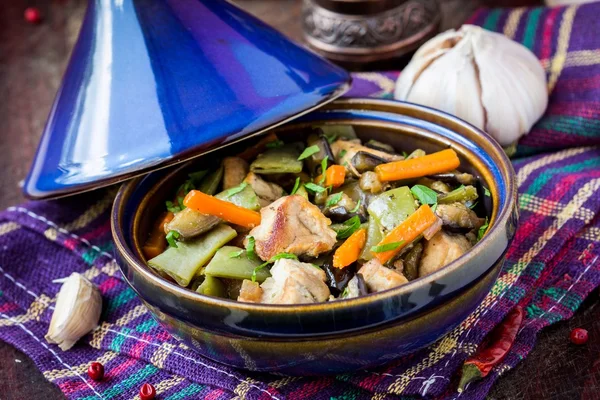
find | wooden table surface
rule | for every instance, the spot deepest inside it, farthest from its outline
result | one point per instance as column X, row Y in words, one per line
column 32, row 61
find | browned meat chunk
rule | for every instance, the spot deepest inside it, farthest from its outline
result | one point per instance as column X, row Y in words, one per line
column 378, row 278
column 294, row 282
column 441, row 250
column 234, row 171
column 457, row 215
column 250, row 292
column 293, row 225
column 267, row 192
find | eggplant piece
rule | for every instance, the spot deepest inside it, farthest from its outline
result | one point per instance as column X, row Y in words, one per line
column 337, row 279
column 363, row 161
column 411, row 262
column 369, row 182
column 314, row 161
column 416, row 154
column 346, row 150
column 376, row 145
column 353, row 190
column 457, row 178
column 189, row 223
column 458, row 217
column 362, row 285
column 374, row 236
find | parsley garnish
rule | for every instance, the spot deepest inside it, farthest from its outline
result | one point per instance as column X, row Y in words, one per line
column 342, row 153
column 424, row 194
column 236, row 190
column 486, row 191
column 348, row 227
column 345, row 292
column 482, row 229
column 296, row 186
column 250, row 249
column 314, row 188
column 472, row 206
column 386, row 247
column 172, row 237
column 236, row 254
column 276, row 257
column 404, row 154
column 174, row 208
column 331, row 137
column 275, row 144
column 309, row 151
column 333, row 199
column 323, row 170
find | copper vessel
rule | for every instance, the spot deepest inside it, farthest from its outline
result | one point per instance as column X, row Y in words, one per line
column 364, row 31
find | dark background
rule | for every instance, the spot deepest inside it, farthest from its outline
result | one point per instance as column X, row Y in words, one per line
column 32, row 61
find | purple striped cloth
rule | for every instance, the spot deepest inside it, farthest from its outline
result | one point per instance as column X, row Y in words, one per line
column 551, row 267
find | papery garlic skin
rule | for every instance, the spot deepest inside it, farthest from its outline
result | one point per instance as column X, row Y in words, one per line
column 554, row 3
column 483, row 77
column 76, row 313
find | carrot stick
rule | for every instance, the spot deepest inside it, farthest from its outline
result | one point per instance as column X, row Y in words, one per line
column 206, row 204
column 406, row 232
column 156, row 243
column 349, row 251
column 260, row 146
column 334, row 176
column 435, row 163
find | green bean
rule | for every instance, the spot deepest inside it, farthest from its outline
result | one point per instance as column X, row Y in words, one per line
column 212, row 287
column 278, row 160
column 390, row 208
column 374, row 236
column 210, row 184
column 233, row 263
column 459, row 195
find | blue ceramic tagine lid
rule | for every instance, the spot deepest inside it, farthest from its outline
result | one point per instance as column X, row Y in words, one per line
column 152, row 83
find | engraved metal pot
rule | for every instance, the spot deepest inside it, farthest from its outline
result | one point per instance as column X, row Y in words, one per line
column 362, row 31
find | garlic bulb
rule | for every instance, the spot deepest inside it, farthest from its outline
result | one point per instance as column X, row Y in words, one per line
column 76, row 313
column 553, row 3
column 480, row 76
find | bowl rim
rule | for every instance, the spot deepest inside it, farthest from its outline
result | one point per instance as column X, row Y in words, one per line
column 500, row 219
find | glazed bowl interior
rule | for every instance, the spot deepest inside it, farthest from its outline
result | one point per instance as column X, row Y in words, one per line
column 404, row 126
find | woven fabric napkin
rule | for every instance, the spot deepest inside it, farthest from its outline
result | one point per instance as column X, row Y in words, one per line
column 551, row 266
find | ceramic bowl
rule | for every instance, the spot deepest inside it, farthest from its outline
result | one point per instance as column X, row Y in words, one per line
column 344, row 335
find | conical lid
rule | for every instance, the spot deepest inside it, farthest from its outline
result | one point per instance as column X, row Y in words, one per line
column 154, row 82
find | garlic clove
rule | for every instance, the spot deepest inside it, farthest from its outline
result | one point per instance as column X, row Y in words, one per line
column 76, row 313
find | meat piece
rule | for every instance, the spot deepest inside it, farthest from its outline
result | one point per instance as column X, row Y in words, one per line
column 294, row 282
column 267, row 192
column 378, row 278
column 250, row 292
column 441, row 250
column 292, row 225
column 234, row 171
column 457, row 215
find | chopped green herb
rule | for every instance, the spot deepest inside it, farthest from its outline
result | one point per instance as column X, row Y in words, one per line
column 309, row 151
column 345, row 293
column 342, row 153
column 355, row 209
column 323, row 170
column 386, row 247
column 235, row 190
column 348, row 227
column 172, row 237
column 250, row 248
column 424, row 194
column 333, row 199
column 180, row 202
column 331, row 137
column 472, row 206
column 276, row 257
column 434, row 207
column 316, row 266
column 296, row 186
column 275, row 144
column 172, row 207
column 314, row 188
column 404, row 154
column 236, row 254
column 483, row 229
column 486, row 191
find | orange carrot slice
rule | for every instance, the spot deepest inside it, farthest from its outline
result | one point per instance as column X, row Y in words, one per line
column 435, row 163
column 406, row 232
column 334, row 176
column 156, row 243
column 350, row 250
column 206, row 204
